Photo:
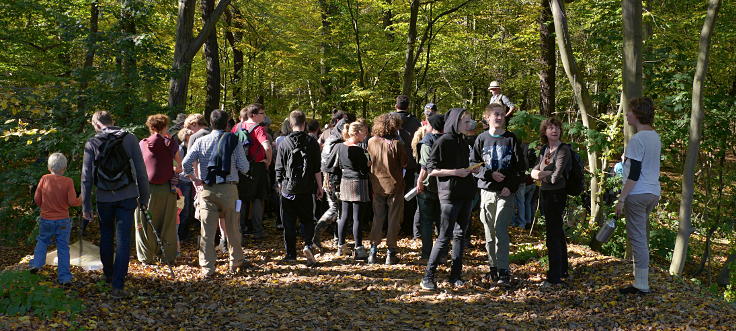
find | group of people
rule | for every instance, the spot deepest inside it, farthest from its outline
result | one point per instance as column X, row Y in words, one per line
column 218, row 172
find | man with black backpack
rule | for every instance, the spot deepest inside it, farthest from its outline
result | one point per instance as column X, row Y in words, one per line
column 299, row 178
column 107, row 165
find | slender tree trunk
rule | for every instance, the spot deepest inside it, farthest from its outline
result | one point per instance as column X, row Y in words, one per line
column 582, row 96
column 234, row 38
column 411, row 40
column 388, row 21
column 327, row 11
column 130, row 72
column 94, row 14
column 724, row 276
column 632, row 71
column 356, row 32
column 186, row 46
column 212, row 60
column 679, row 255
column 548, row 59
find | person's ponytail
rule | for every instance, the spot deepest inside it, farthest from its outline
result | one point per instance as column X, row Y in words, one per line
column 346, row 131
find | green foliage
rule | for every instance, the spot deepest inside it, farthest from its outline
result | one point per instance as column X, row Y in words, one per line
column 22, row 292
column 526, row 253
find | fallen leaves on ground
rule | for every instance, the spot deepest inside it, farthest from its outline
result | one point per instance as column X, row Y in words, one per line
column 343, row 294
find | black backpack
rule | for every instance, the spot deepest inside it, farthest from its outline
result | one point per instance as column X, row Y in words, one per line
column 574, row 174
column 296, row 167
column 113, row 170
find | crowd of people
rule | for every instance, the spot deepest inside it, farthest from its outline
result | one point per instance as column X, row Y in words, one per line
column 423, row 177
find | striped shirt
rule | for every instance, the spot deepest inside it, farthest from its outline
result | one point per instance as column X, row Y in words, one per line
column 502, row 99
column 202, row 151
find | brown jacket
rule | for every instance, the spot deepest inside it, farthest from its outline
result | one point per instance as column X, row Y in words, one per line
column 389, row 158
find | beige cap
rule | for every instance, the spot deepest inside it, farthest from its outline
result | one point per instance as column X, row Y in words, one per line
column 494, row 84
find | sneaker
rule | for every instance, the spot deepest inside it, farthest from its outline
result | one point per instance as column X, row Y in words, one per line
column 342, row 250
column 504, row 277
column 64, row 284
column 207, row 273
column 309, row 255
column 33, row 270
column 428, row 284
column 221, row 247
column 391, row 258
column 373, row 255
column 118, row 293
column 279, row 226
column 360, row 253
column 548, row 284
column 632, row 290
column 492, row 275
column 105, row 279
column 457, row 282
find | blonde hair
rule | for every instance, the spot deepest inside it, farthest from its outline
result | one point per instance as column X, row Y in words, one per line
column 195, row 119
column 184, row 134
column 351, row 129
column 418, row 136
column 57, row 162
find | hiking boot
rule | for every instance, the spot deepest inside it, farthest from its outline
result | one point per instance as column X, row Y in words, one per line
column 492, row 275
column 392, row 258
column 504, row 277
column 632, row 290
column 288, row 258
column 428, row 283
column 118, row 293
column 342, row 250
column 309, row 255
column 372, row 255
column 360, row 253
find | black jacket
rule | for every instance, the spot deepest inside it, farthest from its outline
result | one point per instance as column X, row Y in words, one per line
column 451, row 151
column 409, row 125
column 503, row 154
column 291, row 142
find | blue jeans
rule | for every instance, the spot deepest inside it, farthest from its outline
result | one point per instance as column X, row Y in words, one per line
column 61, row 229
column 523, row 199
column 429, row 215
column 116, row 222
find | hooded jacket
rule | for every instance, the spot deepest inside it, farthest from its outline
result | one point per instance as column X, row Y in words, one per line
column 451, row 151
column 409, row 125
column 328, row 156
column 298, row 139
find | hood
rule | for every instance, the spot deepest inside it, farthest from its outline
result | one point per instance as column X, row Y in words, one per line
column 452, row 120
column 157, row 140
column 298, row 138
column 337, row 130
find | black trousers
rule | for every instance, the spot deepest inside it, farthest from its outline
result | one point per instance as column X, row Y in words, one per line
column 454, row 222
column 302, row 208
column 553, row 205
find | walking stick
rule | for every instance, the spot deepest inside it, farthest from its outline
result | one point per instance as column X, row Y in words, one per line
column 534, row 219
column 147, row 218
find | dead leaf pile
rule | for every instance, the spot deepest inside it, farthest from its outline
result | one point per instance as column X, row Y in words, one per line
column 343, row 294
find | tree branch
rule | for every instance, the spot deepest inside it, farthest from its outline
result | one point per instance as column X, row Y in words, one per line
column 208, row 27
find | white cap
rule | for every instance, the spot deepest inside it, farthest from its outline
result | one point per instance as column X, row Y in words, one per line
column 494, row 84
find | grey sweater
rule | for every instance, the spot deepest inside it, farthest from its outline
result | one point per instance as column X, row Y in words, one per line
column 133, row 190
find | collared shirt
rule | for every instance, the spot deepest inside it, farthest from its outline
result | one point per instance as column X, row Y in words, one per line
column 202, row 151
column 502, row 99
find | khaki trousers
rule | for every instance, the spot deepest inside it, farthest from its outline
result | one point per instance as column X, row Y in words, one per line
column 213, row 201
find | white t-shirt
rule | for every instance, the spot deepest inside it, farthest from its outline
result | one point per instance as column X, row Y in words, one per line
column 644, row 146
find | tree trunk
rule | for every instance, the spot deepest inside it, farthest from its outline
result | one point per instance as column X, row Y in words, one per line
column 356, row 31
column 582, row 96
column 94, row 14
column 185, row 48
column 679, row 255
column 234, row 38
column 724, row 277
column 548, row 59
column 411, row 40
column 632, row 71
column 130, row 72
column 327, row 11
column 388, row 21
column 212, row 60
